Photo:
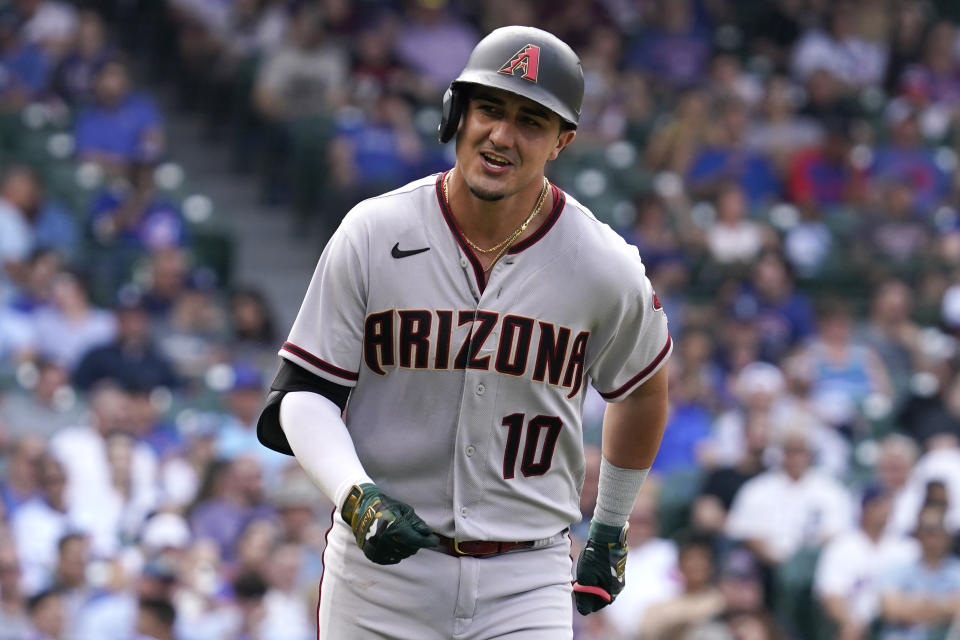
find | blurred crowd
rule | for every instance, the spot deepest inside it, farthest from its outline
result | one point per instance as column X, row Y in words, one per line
column 787, row 168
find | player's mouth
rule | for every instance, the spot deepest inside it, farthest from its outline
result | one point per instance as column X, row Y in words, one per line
column 494, row 162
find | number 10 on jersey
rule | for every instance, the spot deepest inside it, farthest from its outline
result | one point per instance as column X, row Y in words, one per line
column 530, row 463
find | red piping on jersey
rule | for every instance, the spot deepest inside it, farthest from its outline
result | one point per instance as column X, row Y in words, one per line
column 320, row 364
column 323, row 561
column 455, row 228
column 559, row 200
column 640, row 376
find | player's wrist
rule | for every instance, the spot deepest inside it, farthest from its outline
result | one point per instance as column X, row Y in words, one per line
column 606, row 533
column 354, row 499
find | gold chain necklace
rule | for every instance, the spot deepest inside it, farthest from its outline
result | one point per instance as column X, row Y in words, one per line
column 505, row 244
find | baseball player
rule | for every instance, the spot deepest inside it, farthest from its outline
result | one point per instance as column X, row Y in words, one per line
column 455, row 323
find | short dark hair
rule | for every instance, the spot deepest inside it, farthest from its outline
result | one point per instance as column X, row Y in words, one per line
column 161, row 609
column 35, row 601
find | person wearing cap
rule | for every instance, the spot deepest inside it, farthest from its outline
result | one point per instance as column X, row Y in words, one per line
column 463, row 316
column 849, row 570
column 133, row 357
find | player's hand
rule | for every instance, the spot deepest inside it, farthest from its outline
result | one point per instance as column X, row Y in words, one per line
column 387, row 530
column 600, row 568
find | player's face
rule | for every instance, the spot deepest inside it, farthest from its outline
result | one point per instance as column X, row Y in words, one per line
column 505, row 141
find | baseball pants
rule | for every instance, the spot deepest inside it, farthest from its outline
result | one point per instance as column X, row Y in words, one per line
column 520, row 595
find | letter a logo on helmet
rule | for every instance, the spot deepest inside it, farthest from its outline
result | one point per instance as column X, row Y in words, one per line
column 527, row 60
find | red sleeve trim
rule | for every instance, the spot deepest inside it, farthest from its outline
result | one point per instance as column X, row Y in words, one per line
column 320, row 364
column 643, row 374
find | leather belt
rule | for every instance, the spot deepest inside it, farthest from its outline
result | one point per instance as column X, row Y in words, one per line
column 487, row 548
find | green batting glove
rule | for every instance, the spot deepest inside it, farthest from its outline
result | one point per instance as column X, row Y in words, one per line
column 600, row 567
column 387, row 530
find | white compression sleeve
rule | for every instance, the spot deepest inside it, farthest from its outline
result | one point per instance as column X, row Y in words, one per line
column 616, row 493
column 320, row 440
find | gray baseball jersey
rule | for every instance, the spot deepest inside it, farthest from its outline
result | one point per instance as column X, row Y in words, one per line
column 467, row 394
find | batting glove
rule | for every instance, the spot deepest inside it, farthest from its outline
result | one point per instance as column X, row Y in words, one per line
column 600, row 567
column 387, row 530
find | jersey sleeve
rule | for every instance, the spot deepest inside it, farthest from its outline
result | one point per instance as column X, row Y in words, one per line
column 640, row 342
column 327, row 337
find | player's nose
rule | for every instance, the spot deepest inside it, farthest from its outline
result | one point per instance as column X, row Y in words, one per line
column 502, row 134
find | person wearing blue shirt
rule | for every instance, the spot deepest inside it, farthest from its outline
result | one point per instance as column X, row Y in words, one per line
column 920, row 600
column 121, row 127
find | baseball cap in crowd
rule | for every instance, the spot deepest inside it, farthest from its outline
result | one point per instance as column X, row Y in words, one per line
column 295, row 493
column 760, row 377
column 165, row 531
column 246, row 377
column 161, row 569
column 872, row 493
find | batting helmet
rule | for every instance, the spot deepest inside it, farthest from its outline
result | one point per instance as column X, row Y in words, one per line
column 522, row 60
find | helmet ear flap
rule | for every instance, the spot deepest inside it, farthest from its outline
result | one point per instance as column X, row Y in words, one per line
column 450, row 112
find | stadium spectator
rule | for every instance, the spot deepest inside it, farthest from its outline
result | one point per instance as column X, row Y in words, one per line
column 892, row 333
column 734, row 239
column 230, row 499
column 19, row 198
column 106, row 478
column 47, row 619
column 652, row 562
column 675, row 50
column 14, row 623
column 784, row 510
column 70, row 577
column 906, row 160
column 700, row 599
column 933, row 85
column 70, row 326
column 720, row 486
column 156, row 619
column 237, row 434
column 852, row 565
column 727, row 158
column 48, row 24
column 784, row 316
column 821, row 175
column 434, row 42
column 895, row 461
column 923, row 597
column 252, row 326
column 133, row 358
column 43, row 266
column 113, row 615
column 298, row 502
column 781, row 131
column 287, row 614
column 27, row 68
column 50, row 404
column 21, row 482
column 38, row 525
column 121, row 128
column 853, row 60
column 135, row 216
column 844, row 371
column 73, row 77
column 674, row 145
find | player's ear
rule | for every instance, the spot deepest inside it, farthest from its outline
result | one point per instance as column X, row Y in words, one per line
column 566, row 137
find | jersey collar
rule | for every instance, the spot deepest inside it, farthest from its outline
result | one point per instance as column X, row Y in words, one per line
column 559, row 200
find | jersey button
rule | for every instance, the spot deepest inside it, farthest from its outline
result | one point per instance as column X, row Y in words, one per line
column 481, row 389
column 464, row 511
column 463, row 262
column 470, row 450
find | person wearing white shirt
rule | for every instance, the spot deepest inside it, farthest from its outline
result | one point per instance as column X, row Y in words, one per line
column 652, row 563
column 848, row 575
column 782, row 511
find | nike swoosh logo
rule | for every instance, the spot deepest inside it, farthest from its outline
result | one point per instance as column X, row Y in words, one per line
column 397, row 252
